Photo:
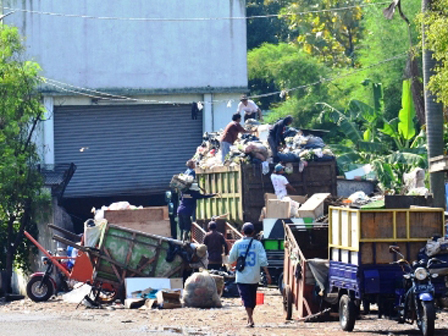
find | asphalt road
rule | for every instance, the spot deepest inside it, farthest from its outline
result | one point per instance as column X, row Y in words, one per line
column 58, row 318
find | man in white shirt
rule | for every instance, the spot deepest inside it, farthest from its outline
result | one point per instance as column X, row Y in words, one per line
column 250, row 109
column 280, row 183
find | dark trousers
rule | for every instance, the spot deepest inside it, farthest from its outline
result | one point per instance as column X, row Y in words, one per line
column 253, row 115
column 273, row 145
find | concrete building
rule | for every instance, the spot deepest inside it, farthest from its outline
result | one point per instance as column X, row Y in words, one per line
column 120, row 80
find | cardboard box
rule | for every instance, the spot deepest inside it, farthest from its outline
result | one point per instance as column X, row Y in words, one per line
column 154, row 220
column 137, row 286
column 169, row 299
column 314, row 206
column 298, row 198
column 276, row 208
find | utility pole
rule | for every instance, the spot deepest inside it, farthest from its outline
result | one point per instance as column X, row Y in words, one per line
column 434, row 119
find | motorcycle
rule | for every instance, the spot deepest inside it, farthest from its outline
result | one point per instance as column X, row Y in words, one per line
column 42, row 285
column 416, row 298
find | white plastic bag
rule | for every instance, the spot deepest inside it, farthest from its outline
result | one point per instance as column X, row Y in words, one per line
column 92, row 233
column 200, row 291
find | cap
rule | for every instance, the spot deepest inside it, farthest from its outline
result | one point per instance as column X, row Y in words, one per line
column 279, row 168
column 212, row 225
column 248, row 228
column 243, row 97
column 201, row 250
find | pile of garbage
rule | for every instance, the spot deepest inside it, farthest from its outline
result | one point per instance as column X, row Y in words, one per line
column 254, row 148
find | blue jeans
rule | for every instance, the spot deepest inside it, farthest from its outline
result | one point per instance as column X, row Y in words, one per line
column 225, row 149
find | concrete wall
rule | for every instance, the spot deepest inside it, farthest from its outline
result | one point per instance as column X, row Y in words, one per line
column 160, row 51
column 176, row 49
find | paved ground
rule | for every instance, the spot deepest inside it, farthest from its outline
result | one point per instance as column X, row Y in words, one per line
column 57, row 318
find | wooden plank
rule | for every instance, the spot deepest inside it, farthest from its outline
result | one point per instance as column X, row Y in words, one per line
column 153, row 220
column 426, row 224
column 376, row 225
column 438, row 164
column 401, row 225
column 70, row 234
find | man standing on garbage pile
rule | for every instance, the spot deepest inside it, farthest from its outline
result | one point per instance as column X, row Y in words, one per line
column 187, row 207
column 280, row 182
column 250, row 109
column 230, row 134
column 247, row 280
column 276, row 136
column 215, row 242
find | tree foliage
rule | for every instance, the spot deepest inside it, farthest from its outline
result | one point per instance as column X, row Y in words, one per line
column 392, row 147
column 286, row 67
column 330, row 35
column 436, row 32
column 269, row 29
column 20, row 180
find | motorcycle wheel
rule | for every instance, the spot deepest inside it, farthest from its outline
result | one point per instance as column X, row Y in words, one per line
column 426, row 325
column 347, row 313
column 41, row 294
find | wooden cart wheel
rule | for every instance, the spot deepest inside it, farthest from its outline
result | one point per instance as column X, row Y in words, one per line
column 287, row 302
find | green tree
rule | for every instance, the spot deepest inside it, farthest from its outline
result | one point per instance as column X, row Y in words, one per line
column 286, row 67
column 330, row 35
column 436, row 40
column 20, row 180
column 392, row 147
column 385, row 43
column 270, row 28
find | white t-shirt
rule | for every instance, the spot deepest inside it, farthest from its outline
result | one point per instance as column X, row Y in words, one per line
column 279, row 182
column 250, row 108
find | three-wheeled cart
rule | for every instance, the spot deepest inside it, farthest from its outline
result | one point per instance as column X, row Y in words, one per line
column 361, row 265
column 305, row 269
column 123, row 253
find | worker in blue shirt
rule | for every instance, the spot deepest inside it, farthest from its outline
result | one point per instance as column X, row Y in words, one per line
column 187, row 207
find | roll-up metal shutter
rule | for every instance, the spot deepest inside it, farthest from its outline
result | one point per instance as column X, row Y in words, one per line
column 124, row 150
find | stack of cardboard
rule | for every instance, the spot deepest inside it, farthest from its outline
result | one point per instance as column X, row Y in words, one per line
column 310, row 208
column 276, row 208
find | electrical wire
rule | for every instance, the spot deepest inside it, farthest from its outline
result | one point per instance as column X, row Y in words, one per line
column 192, row 19
column 111, row 97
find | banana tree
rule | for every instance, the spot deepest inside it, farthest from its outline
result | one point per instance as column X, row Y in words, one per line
column 391, row 147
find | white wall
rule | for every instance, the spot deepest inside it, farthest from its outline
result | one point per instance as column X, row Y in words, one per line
column 135, row 54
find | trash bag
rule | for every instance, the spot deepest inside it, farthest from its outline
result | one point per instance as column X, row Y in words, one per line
column 200, row 291
column 181, row 182
column 93, row 230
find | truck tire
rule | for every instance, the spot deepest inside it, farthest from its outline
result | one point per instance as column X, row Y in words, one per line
column 288, row 299
column 347, row 313
column 41, row 294
column 426, row 325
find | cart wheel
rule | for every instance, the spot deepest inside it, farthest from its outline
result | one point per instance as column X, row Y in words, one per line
column 280, row 283
column 347, row 313
column 39, row 291
column 287, row 302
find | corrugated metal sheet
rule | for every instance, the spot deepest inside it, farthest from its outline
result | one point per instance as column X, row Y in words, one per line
column 124, row 150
